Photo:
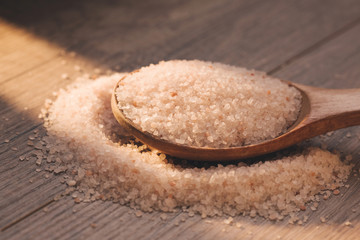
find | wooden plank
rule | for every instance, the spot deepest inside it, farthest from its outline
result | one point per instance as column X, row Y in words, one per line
column 21, row 51
column 219, row 29
column 131, row 35
column 22, row 188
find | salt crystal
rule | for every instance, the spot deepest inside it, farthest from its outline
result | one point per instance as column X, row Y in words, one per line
column 348, row 223
column 60, row 169
column 348, row 158
column 138, row 213
column 38, row 162
column 57, row 197
column 64, row 76
column 228, row 220
column 71, row 183
column 330, row 133
column 336, row 192
column 163, row 216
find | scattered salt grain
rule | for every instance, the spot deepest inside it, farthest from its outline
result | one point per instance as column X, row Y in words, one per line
column 163, row 216
column 77, row 68
column 323, row 219
column 60, row 169
column 348, row 223
column 6, row 140
column 64, row 76
column 71, row 183
column 336, row 192
column 38, row 162
column 57, row 197
column 348, row 135
column 330, row 133
column 159, row 99
column 348, row 158
column 138, row 213
column 14, row 148
column 116, row 168
column 228, row 220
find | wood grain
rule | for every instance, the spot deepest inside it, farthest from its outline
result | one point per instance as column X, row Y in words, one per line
column 125, row 35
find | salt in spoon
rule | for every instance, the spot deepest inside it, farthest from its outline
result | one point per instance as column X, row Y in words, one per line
column 322, row 110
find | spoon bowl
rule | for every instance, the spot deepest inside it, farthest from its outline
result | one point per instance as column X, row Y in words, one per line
column 322, row 110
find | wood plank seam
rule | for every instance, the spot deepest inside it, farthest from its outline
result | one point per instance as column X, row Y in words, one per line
column 316, row 45
column 26, row 215
column 30, row 69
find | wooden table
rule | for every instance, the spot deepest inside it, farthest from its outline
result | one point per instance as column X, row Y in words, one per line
column 309, row 42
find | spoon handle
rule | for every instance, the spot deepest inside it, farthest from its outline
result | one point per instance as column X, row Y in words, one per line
column 331, row 109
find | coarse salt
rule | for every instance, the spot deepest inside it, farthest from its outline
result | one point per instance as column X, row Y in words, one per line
column 108, row 164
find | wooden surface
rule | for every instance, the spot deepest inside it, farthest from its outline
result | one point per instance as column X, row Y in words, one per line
column 308, row 42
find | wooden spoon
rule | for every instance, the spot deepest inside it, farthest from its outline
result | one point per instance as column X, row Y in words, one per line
column 322, row 110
